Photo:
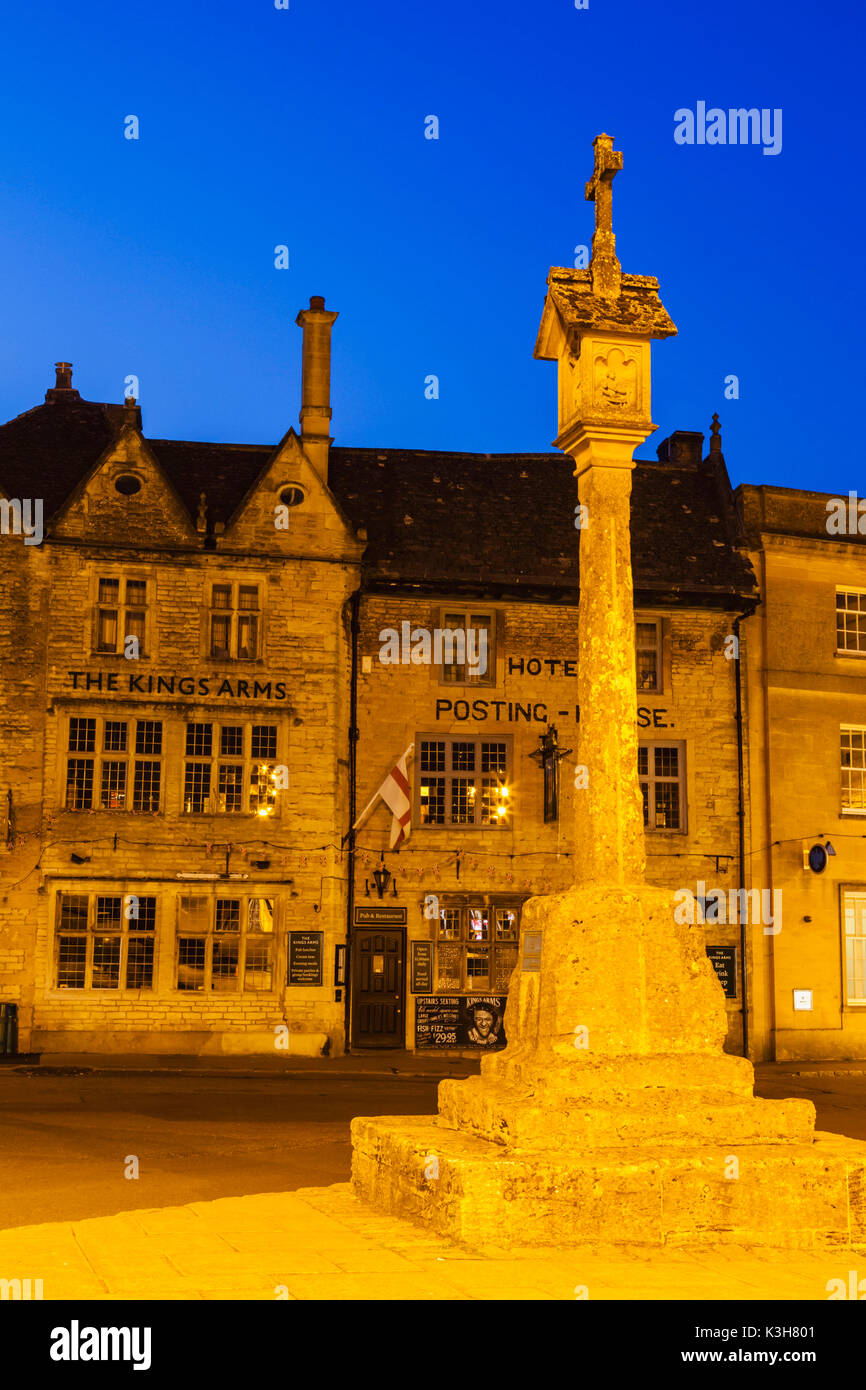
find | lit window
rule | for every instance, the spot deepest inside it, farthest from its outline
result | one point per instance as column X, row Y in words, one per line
column 219, row 773
column 453, row 788
column 853, row 738
column 854, row 924
column 468, row 957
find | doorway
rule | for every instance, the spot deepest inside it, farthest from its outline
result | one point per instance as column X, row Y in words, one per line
column 378, row 972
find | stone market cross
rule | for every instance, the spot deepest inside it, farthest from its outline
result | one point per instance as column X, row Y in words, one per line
column 613, row 1113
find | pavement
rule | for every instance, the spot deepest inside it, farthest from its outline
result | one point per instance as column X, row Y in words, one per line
column 321, row 1244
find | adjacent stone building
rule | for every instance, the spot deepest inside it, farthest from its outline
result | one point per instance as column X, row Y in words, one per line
column 804, row 655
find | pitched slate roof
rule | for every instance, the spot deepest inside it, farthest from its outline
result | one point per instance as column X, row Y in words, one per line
column 507, row 521
column 445, row 521
column 46, row 452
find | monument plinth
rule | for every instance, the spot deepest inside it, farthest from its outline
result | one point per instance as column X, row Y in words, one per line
column 613, row 1115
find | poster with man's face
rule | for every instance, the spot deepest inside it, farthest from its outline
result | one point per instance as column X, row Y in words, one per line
column 481, row 1022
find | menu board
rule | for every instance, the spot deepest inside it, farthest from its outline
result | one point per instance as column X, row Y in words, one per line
column 449, row 965
column 724, row 959
column 422, row 967
column 305, row 957
column 469, row 1021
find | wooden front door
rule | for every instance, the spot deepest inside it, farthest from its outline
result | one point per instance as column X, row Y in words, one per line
column 377, row 988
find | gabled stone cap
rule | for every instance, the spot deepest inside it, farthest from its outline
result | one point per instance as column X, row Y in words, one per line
column 638, row 312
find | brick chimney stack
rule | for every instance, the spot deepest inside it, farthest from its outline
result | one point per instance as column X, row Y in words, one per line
column 62, row 390
column 315, row 416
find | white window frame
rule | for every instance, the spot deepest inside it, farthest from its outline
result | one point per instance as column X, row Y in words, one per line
column 860, row 620
column 453, row 928
column 652, row 778
column 448, row 775
column 464, row 616
column 853, row 925
column 851, row 769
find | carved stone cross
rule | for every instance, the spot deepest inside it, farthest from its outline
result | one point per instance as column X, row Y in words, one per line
column 599, row 190
column 606, row 269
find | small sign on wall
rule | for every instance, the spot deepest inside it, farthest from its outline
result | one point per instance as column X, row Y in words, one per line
column 305, row 957
column 421, row 974
column 724, row 960
column 531, row 950
column 384, row 916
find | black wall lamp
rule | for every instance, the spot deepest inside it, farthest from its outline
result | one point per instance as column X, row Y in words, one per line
column 382, row 877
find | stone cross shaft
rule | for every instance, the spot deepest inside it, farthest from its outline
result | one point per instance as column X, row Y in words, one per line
column 606, row 277
column 609, row 833
column 599, row 190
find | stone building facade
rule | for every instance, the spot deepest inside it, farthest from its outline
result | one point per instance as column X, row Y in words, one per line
column 805, row 651
column 195, row 708
column 207, row 673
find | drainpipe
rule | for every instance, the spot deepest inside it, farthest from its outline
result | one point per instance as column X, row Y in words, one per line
column 741, row 818
column 354, row 606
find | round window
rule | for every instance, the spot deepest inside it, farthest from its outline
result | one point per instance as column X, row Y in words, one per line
column 292, row 496
column 127, row 485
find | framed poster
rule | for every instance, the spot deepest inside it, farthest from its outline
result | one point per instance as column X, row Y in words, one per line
column 305, row 957
column 474, row 1021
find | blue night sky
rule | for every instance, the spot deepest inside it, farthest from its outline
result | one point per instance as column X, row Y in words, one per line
column 305, row 127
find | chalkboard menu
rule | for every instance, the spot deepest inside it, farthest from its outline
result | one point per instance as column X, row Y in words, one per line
column 473, row 1021
column 422, row 967
column 449, row 965
column 305, row 957
column 724, row 959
